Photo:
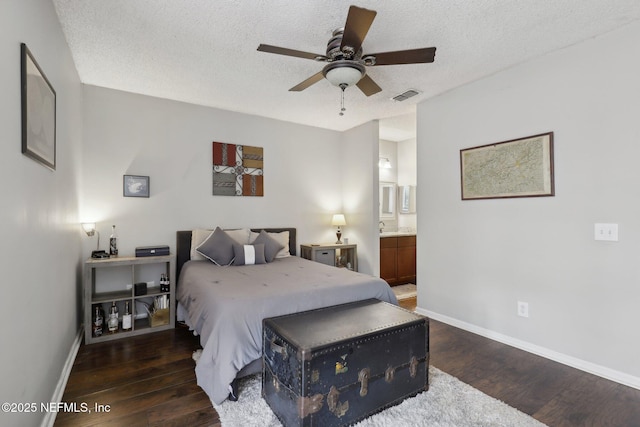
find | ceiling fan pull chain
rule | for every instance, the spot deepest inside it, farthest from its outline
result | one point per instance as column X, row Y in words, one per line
column 342, row 109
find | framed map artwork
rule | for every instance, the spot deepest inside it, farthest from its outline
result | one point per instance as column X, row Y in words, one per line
column 237, row 170
column 516, row 168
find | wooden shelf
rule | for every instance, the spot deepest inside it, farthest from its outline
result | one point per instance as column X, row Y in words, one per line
column 110, row 296
column 111, row 280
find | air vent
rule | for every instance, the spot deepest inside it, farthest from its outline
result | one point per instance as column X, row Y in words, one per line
column 405, row 95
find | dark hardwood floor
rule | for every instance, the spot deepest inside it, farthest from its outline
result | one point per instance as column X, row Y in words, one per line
column 150, row 381
column 552, row 393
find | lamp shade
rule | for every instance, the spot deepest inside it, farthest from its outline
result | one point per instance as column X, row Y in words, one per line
column 344, row 76
column 338, row 220
column 343, row 73
column 89, row 228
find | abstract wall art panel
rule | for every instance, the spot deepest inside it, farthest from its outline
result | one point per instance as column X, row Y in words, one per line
column 237, row 170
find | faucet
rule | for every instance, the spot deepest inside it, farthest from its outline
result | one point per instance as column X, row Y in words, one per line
column 381, row 225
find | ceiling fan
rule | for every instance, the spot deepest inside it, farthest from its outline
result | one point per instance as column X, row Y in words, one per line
column 346, row 63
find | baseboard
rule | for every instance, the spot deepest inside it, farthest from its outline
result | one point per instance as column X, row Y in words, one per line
column 50, row 416
column 574, row 362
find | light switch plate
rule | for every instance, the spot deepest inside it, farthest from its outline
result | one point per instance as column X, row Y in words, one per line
column 608, row 232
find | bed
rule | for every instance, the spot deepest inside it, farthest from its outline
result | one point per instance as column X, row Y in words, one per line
column 225, row 305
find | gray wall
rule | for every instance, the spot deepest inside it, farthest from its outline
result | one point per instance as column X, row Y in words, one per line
column 359, row 164
column 40, row 245
column 170, row 142
column 476, row 259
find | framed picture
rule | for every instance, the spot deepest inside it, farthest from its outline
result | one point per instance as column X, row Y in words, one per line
column 38, row 112
column 516, row 168
column 135, row 186
column 238, row 170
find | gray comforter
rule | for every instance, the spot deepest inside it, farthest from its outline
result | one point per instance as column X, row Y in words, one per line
column 226, row 306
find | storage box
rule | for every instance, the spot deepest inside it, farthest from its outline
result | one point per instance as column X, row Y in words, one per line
column 327, row 256
column 159, row 317
column 142, row 251
column 140, row 288
column 338, row 365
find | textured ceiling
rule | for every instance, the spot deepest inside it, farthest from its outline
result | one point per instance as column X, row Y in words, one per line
column 204, row 51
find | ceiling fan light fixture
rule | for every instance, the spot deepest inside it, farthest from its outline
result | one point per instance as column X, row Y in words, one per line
column 344, row 73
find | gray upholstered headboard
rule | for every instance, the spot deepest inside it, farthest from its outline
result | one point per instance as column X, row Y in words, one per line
column 183, row 245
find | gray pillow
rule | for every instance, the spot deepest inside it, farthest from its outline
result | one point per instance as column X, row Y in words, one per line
column 248, row 254
column 271, row 245
column 218, row 248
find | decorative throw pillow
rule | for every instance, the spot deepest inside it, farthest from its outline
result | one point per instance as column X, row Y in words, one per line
column 271, row 246
column 248, row 254
column 218, row 248
column 282, row 238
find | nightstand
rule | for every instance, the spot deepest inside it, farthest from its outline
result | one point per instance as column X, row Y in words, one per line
column 336, row 255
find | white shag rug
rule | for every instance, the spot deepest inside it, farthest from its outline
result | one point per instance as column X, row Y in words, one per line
column 448, row 403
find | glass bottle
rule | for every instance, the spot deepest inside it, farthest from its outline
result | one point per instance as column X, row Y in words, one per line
column 113, row 242
column 113, row 319
column 164, row 283
column 126, row 317
column 97, row 322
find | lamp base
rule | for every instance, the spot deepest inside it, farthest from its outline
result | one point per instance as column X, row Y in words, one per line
column 99, row 254
column 338, row 235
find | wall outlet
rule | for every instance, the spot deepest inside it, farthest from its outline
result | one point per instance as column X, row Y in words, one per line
column 523, row 309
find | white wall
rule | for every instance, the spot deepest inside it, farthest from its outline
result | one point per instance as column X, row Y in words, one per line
column 40, row 245
column 402, row 156
column 170, row 141
column 476, row 259
column 407, row 175
column 389, row 150
column 360, row 193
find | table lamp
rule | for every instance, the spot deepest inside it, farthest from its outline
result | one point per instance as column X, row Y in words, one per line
column 90, row 229
column 338, row 220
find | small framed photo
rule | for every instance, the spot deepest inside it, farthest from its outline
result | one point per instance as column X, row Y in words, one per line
column 135, row 186
column 38, row 112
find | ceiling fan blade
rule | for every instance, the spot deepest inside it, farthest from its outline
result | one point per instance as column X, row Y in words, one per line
column 305, row 84
column 288, row 52
column 368, row 86
column 412, row 56
column 359, row 21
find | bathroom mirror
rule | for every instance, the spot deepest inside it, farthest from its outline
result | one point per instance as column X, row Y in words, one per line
column 407, row 199
column 388, row 200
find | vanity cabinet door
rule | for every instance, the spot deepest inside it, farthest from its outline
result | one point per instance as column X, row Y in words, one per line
column 406, row 270
column 389, row 260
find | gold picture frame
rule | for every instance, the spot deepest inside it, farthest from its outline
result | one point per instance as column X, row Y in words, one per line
column 520, row 167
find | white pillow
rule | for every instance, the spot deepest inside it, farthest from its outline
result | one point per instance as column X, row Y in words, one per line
column 282, row 238
column 240, row 235
column 199, row 235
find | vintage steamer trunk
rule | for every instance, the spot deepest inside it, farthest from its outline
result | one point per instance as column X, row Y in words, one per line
column 337, row 365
